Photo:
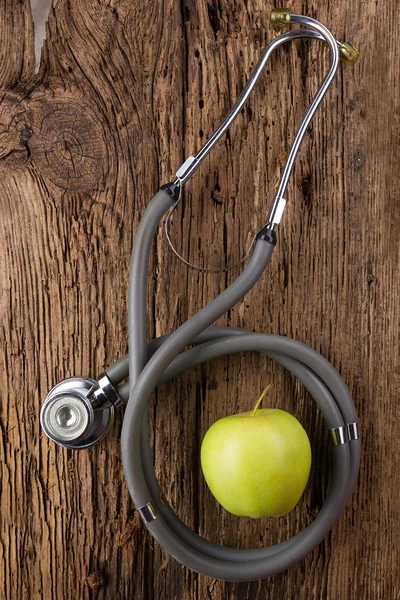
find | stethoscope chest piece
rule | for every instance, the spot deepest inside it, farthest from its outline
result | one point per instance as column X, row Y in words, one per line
column 70, row 419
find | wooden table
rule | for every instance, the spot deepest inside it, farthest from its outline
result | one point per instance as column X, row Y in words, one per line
column 126, row 90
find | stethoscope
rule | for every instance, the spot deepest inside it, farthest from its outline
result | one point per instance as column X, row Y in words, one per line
column 78, row 412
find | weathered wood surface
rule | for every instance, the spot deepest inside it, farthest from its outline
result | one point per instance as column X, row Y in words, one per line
column 126, row 90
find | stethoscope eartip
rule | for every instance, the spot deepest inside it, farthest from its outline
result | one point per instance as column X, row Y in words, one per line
column 280, row 17
column 349, row 54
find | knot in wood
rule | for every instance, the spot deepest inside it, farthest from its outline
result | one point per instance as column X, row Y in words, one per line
column 95, row 580
column 67, row 144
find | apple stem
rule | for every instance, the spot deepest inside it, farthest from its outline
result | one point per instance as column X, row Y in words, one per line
column 261, row 398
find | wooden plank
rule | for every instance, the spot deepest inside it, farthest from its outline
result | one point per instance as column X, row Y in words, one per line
column 127, row 89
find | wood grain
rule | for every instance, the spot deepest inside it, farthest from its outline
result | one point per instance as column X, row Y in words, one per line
column 126, row 90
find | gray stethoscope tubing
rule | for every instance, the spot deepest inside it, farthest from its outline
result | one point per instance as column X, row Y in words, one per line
column 149, row 364
column 320, row 378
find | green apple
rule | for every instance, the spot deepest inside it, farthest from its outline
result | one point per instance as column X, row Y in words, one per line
column 257, row 463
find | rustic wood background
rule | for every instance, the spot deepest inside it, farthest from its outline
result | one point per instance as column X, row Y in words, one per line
column 126, row 90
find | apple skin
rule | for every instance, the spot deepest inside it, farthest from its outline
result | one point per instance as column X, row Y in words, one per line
column 257, row 463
